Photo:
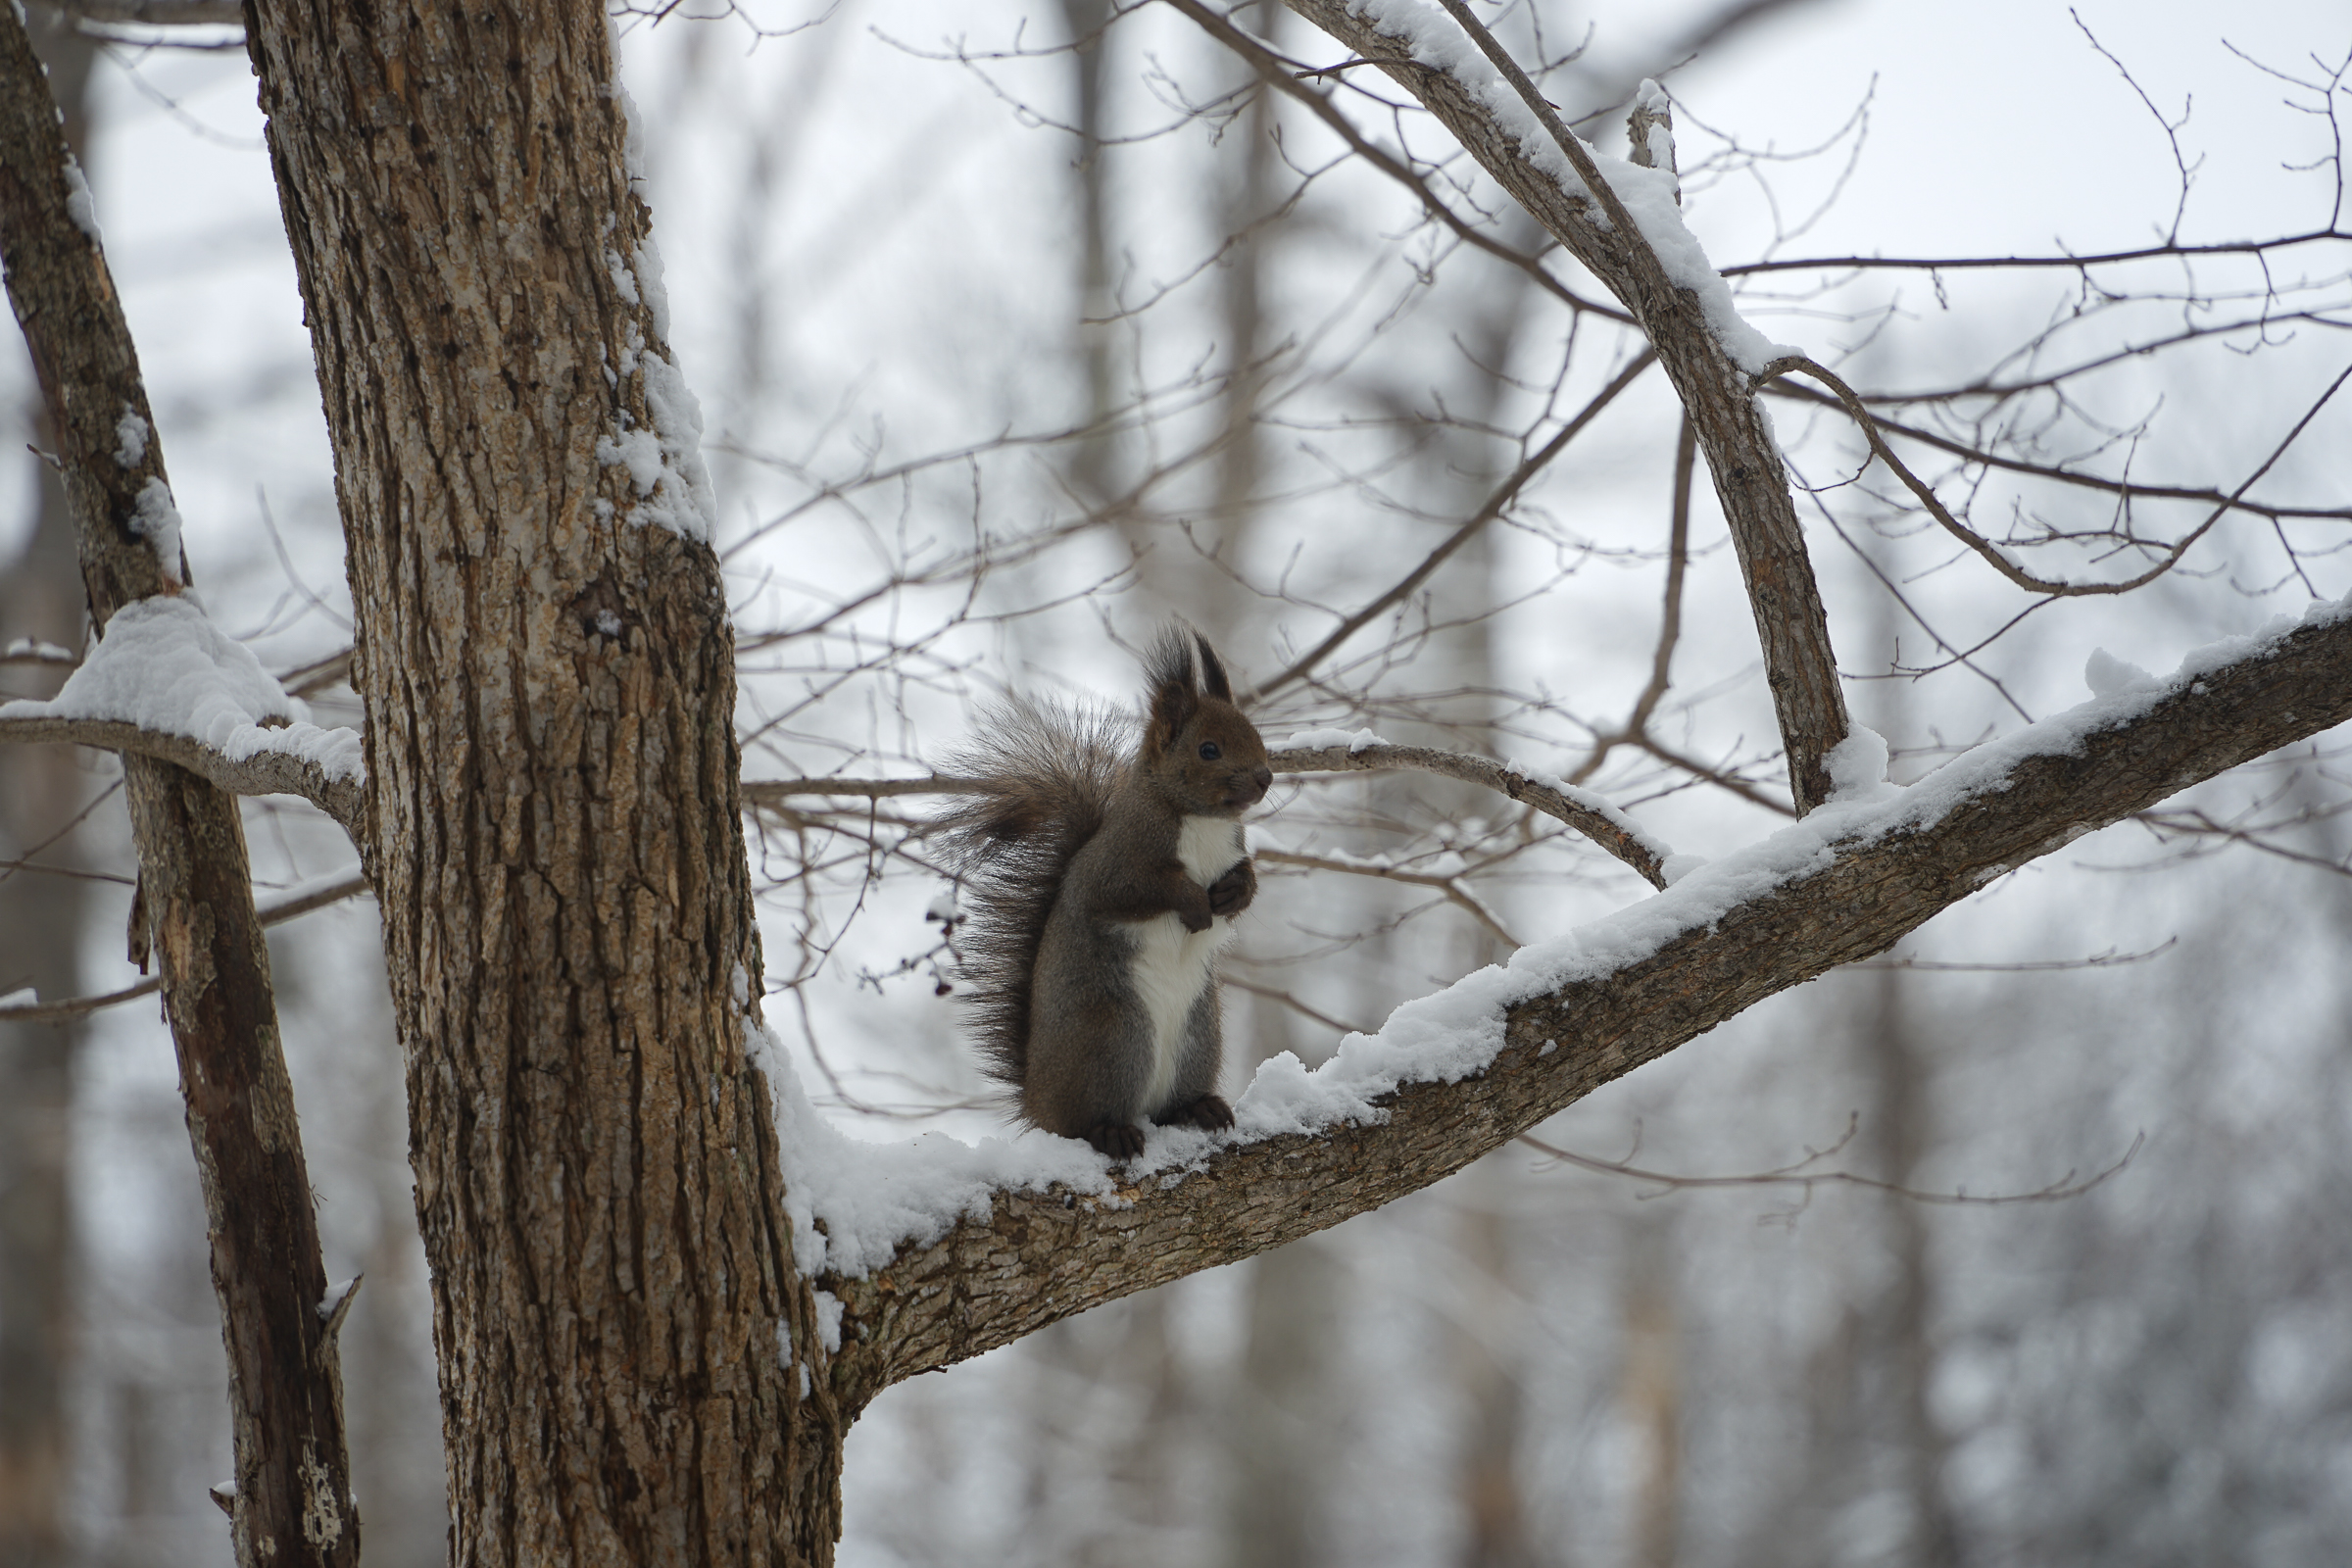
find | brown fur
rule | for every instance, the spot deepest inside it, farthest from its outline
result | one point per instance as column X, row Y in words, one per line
column 1069, row 858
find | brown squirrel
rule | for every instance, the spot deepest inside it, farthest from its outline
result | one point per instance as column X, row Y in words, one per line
column 1101, row 888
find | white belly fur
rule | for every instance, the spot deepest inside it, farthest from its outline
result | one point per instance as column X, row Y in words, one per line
column 1172, row 964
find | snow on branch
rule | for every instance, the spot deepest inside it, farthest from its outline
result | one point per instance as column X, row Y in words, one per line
column 1031, row 1230
column 165, row 683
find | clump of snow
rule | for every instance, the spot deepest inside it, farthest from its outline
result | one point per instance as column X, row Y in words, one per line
column 130, row 439
column 164, row 666
column 665, row 459
column 155, row 518
column 1657, row 139
column 80, row 206
column 334, row 1297
column 854, row 1204
column 1857, row 766
column 2106, row 675
column 828, row 1320
column 1316, row 740
column 1675, row 867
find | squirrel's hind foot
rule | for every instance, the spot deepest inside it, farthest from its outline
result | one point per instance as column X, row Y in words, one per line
column 1121, row 1141
column 1209, row 1111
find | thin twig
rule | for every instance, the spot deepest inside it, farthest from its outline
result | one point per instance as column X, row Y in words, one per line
column 1495, row 504
column 1984, row 547
column 1795, row 1175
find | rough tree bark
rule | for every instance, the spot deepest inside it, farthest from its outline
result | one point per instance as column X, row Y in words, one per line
column 551, row 795
column 293, row 1485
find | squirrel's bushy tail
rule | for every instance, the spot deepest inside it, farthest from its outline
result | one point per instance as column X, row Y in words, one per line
column 1049, row 771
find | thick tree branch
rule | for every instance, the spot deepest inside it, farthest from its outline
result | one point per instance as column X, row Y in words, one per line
column 1038, row 1257
column 261, row 773
column 293, row 1506
column 1716, row 391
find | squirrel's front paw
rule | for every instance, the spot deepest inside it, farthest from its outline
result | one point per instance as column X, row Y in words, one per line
column 1120, row 1140
column 1230, row 894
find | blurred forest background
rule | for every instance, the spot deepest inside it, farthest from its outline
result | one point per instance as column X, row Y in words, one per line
column 1018, row 330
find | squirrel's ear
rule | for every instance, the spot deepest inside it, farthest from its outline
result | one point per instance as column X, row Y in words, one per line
column 1173, row 704
column 1175, row 691
column 1213, row 672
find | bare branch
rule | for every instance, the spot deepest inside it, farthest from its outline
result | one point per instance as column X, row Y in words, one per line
column 317, row 897
column 1581, row 810
column 1959, row 264
column 1496, row 505
column 1451, row 887
column 2066, row 1185
column 153, row 13
column 1276, row 72
column 1983, row 547
column 1750, row 479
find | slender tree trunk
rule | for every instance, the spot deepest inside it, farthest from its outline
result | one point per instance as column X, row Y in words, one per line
column 42, row 788
column 549, row 678
column 292, row 1506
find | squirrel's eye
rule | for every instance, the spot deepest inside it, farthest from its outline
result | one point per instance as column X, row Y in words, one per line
column 1209, row 752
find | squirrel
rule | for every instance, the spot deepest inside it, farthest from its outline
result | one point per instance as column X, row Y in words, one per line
column 1101, row 887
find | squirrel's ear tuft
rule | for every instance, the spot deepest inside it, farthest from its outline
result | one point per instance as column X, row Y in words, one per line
column 1213, row 672
column 1174, row 693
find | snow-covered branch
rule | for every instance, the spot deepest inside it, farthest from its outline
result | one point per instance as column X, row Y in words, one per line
column 951, row 1252
column 165, row 683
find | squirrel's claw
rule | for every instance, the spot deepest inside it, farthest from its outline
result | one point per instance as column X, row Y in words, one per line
column 1121, row 1141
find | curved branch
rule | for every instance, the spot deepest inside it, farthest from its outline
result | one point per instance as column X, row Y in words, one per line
column 1851, row 401
column 1582, row 810
column 264, row 772
column 1750, row 480
column 1035, row 1257
column 1812, row 397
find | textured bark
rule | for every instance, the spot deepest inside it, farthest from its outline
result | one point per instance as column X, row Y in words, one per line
column 1716, row 394
column 293, row 1501
column 552, row 796
column 1038, row 1257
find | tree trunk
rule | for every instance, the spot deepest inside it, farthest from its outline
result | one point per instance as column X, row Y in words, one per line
column 549, row 679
